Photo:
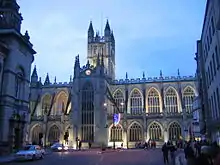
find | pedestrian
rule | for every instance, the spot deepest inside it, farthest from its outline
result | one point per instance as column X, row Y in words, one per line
column 80, row 144
column 189, row 154
column 165, row 151
column 172, row 153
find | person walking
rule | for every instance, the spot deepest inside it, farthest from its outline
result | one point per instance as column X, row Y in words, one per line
column 165, row 151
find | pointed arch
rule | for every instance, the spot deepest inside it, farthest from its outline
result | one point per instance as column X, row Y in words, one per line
column 153, row 101
column 135, row 132
column 171, row 100
column 60, row 103
column 136, row 101
column 174, row 130
column 36, row 134
column 188, row 98
column 119, row 99
column 45, row 103
column 54, row 134
column 116, row 133
column 155, row 131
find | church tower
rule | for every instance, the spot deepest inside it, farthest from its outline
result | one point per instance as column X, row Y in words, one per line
column 104, row 45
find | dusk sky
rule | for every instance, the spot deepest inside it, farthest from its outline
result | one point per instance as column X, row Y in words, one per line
column 151, row 35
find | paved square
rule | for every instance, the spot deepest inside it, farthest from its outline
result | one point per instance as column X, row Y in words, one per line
column 127, row 157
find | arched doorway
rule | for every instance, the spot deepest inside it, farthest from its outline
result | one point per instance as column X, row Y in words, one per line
column 174, row 131
column 54, row 134
column 37, row 135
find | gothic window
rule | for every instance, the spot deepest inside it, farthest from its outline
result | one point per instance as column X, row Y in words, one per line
column 36, row 131
column 174, row 131
column 19, row 84
column 119, row 99
column 155, row 132
column 153, row 101
column 61, row 103
column 54, row 134
column 188, row 97
column 171, row 101
column 116, row 133
column 136, row 104
column 87, row 113
column 46, row 101
column 135, row 133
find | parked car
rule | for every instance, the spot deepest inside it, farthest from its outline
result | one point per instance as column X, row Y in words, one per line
column 57, row 147
column 30, row 152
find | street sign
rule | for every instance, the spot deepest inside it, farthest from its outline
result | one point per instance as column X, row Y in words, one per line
column 116, row 118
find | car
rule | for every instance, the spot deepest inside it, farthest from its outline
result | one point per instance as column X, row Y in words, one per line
column 30, row 152
column 57, row 147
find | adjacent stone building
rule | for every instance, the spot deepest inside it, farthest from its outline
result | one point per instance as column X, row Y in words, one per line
column 208, row 71
column 16, row 57
column 156, row 108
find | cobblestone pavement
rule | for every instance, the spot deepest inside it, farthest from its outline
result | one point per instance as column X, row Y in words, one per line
column 122, row 157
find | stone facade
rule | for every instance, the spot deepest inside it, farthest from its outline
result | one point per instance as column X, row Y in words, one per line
column 208, row 71
column 150, row 108
column 16, row 57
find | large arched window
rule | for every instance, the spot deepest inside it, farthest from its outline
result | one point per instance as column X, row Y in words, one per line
column 36, row 133
column 87, row 113
column 54, row 134
column 174, row 131
column 135, row 133
column 119, row 99
column 136, row 103
column 116, row 133
column 61, row 102
column 188, row 97
column 155, row 132
column 46, row 102
column 171, row 101
column 153, row 101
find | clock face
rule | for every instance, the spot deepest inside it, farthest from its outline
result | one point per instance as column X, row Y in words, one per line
column 88, row 72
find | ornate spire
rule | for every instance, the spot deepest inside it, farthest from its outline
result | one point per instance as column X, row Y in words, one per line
column 112, row 36
column 178, row 72
column 70, row 78
column 77, row 64
column 55, row 80
column 47, row 80
column 161, row 74
column 126, row 75
column 107, row 30
column 90, row 27
column 143, row 75
column 34, row 73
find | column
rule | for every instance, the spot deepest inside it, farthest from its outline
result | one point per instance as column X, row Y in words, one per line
column 45, row 129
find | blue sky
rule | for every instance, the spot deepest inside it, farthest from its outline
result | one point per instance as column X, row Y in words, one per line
column 151, row 35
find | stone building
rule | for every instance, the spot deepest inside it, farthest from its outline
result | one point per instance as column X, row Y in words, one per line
column 208, row 70
column 156, row 108
column 16, row 57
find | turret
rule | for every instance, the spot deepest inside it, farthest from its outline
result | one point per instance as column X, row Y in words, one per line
column 90, row 33
column 10, row 18
column 76, row 66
